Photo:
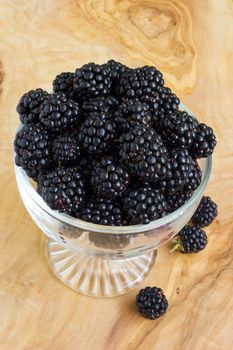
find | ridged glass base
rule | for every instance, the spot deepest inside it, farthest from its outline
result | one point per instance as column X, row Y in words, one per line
column 95, row 276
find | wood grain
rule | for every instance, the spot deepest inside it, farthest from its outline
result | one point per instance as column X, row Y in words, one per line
column 191, row 42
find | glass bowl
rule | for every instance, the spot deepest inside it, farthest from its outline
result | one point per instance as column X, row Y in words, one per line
column 98, row 260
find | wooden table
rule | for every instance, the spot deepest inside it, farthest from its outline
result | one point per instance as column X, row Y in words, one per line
column 191, row 42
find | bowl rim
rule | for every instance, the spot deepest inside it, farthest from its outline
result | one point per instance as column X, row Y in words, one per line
column 23, row 179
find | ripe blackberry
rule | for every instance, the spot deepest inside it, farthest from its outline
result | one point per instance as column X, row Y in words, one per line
column 59, row 114
column 29, row 106
column 151, row 302
column 92, row 80
column 66, row 149
column 204, row 142
column 178, row 129
column 116, row 69
column 102, row 212
column 178, row 169
column 139, row 82
column 109, row 179
column 176, row 200
column 32, row 148
column 194, row 177
column 205, row 213
column 132, row 113
column 143, row 152
column 62, row 189
column 64, row 83
column 104, row 104
column 191, row 239
column 109, row 241
column 97, row 134
column 144, row 204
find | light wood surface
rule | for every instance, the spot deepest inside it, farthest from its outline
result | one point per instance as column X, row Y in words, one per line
column 192, row 43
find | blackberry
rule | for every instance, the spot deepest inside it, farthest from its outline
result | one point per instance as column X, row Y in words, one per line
column 97, row 134
column 59, row 114
column 104, row 104
column 132, row 113
column 169, row 102
column 109, row 241
column 64, row 83
column 62, row 189
column 205, row 213
column 178, row 129
column 204, row 142
column 32, row 148
column 178, row 169
column 109, row 180
column 66, row 149
column 29, row 106
column 139, row 82
column 144, row 204
column 176, row 200
column 102, row 212
column 194, row 177
column 143, row 152
column 191, row 239
column 92, row 80
column 116, row 69
column 151, row 302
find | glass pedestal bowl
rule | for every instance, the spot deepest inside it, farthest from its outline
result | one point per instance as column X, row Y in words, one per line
column 103, row 261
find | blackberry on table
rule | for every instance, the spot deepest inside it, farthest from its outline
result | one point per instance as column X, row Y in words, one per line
column 191, row 239
column 143, row 153
column 144, row 204
column 205, row 213
column 178, row 169
column 32, row 148
column 132, row 113
column 151, row 302
column 92, row 80
column 204, row 142
column 109, row 179
column 29, row 106
column 103, row 104
column 62, row 189
column 178, row 129
column 66, row 149
column 59, row 114
column 97, row 134
column 64, row 83
column 139, row 82
column 102, row 211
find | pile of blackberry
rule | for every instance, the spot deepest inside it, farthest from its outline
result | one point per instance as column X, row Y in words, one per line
column 111, row 146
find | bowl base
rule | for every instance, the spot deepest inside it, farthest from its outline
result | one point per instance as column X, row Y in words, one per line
column 98, row 277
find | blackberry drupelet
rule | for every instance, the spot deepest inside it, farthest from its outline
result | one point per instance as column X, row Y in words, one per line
column 29, row 106
column 92, row 80
column 178, row 169
column 109, row 179
column 33, row 149
column 144, row 204
column 97, row 134
column 131, row 113
column 143, row 153
column 139, row 82
column 104, row 104
column 191, row 239
column 205, row 213
column 176, row 200
column 194, row 177
column 64, row 83
column 178, row 129
column 151, row 302
column 59, row 114
column 62, row 189
column 102, row 211
column 66, row 150
column 204, row 142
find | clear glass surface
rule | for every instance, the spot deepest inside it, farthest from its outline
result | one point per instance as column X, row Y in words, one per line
column 102, row 260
